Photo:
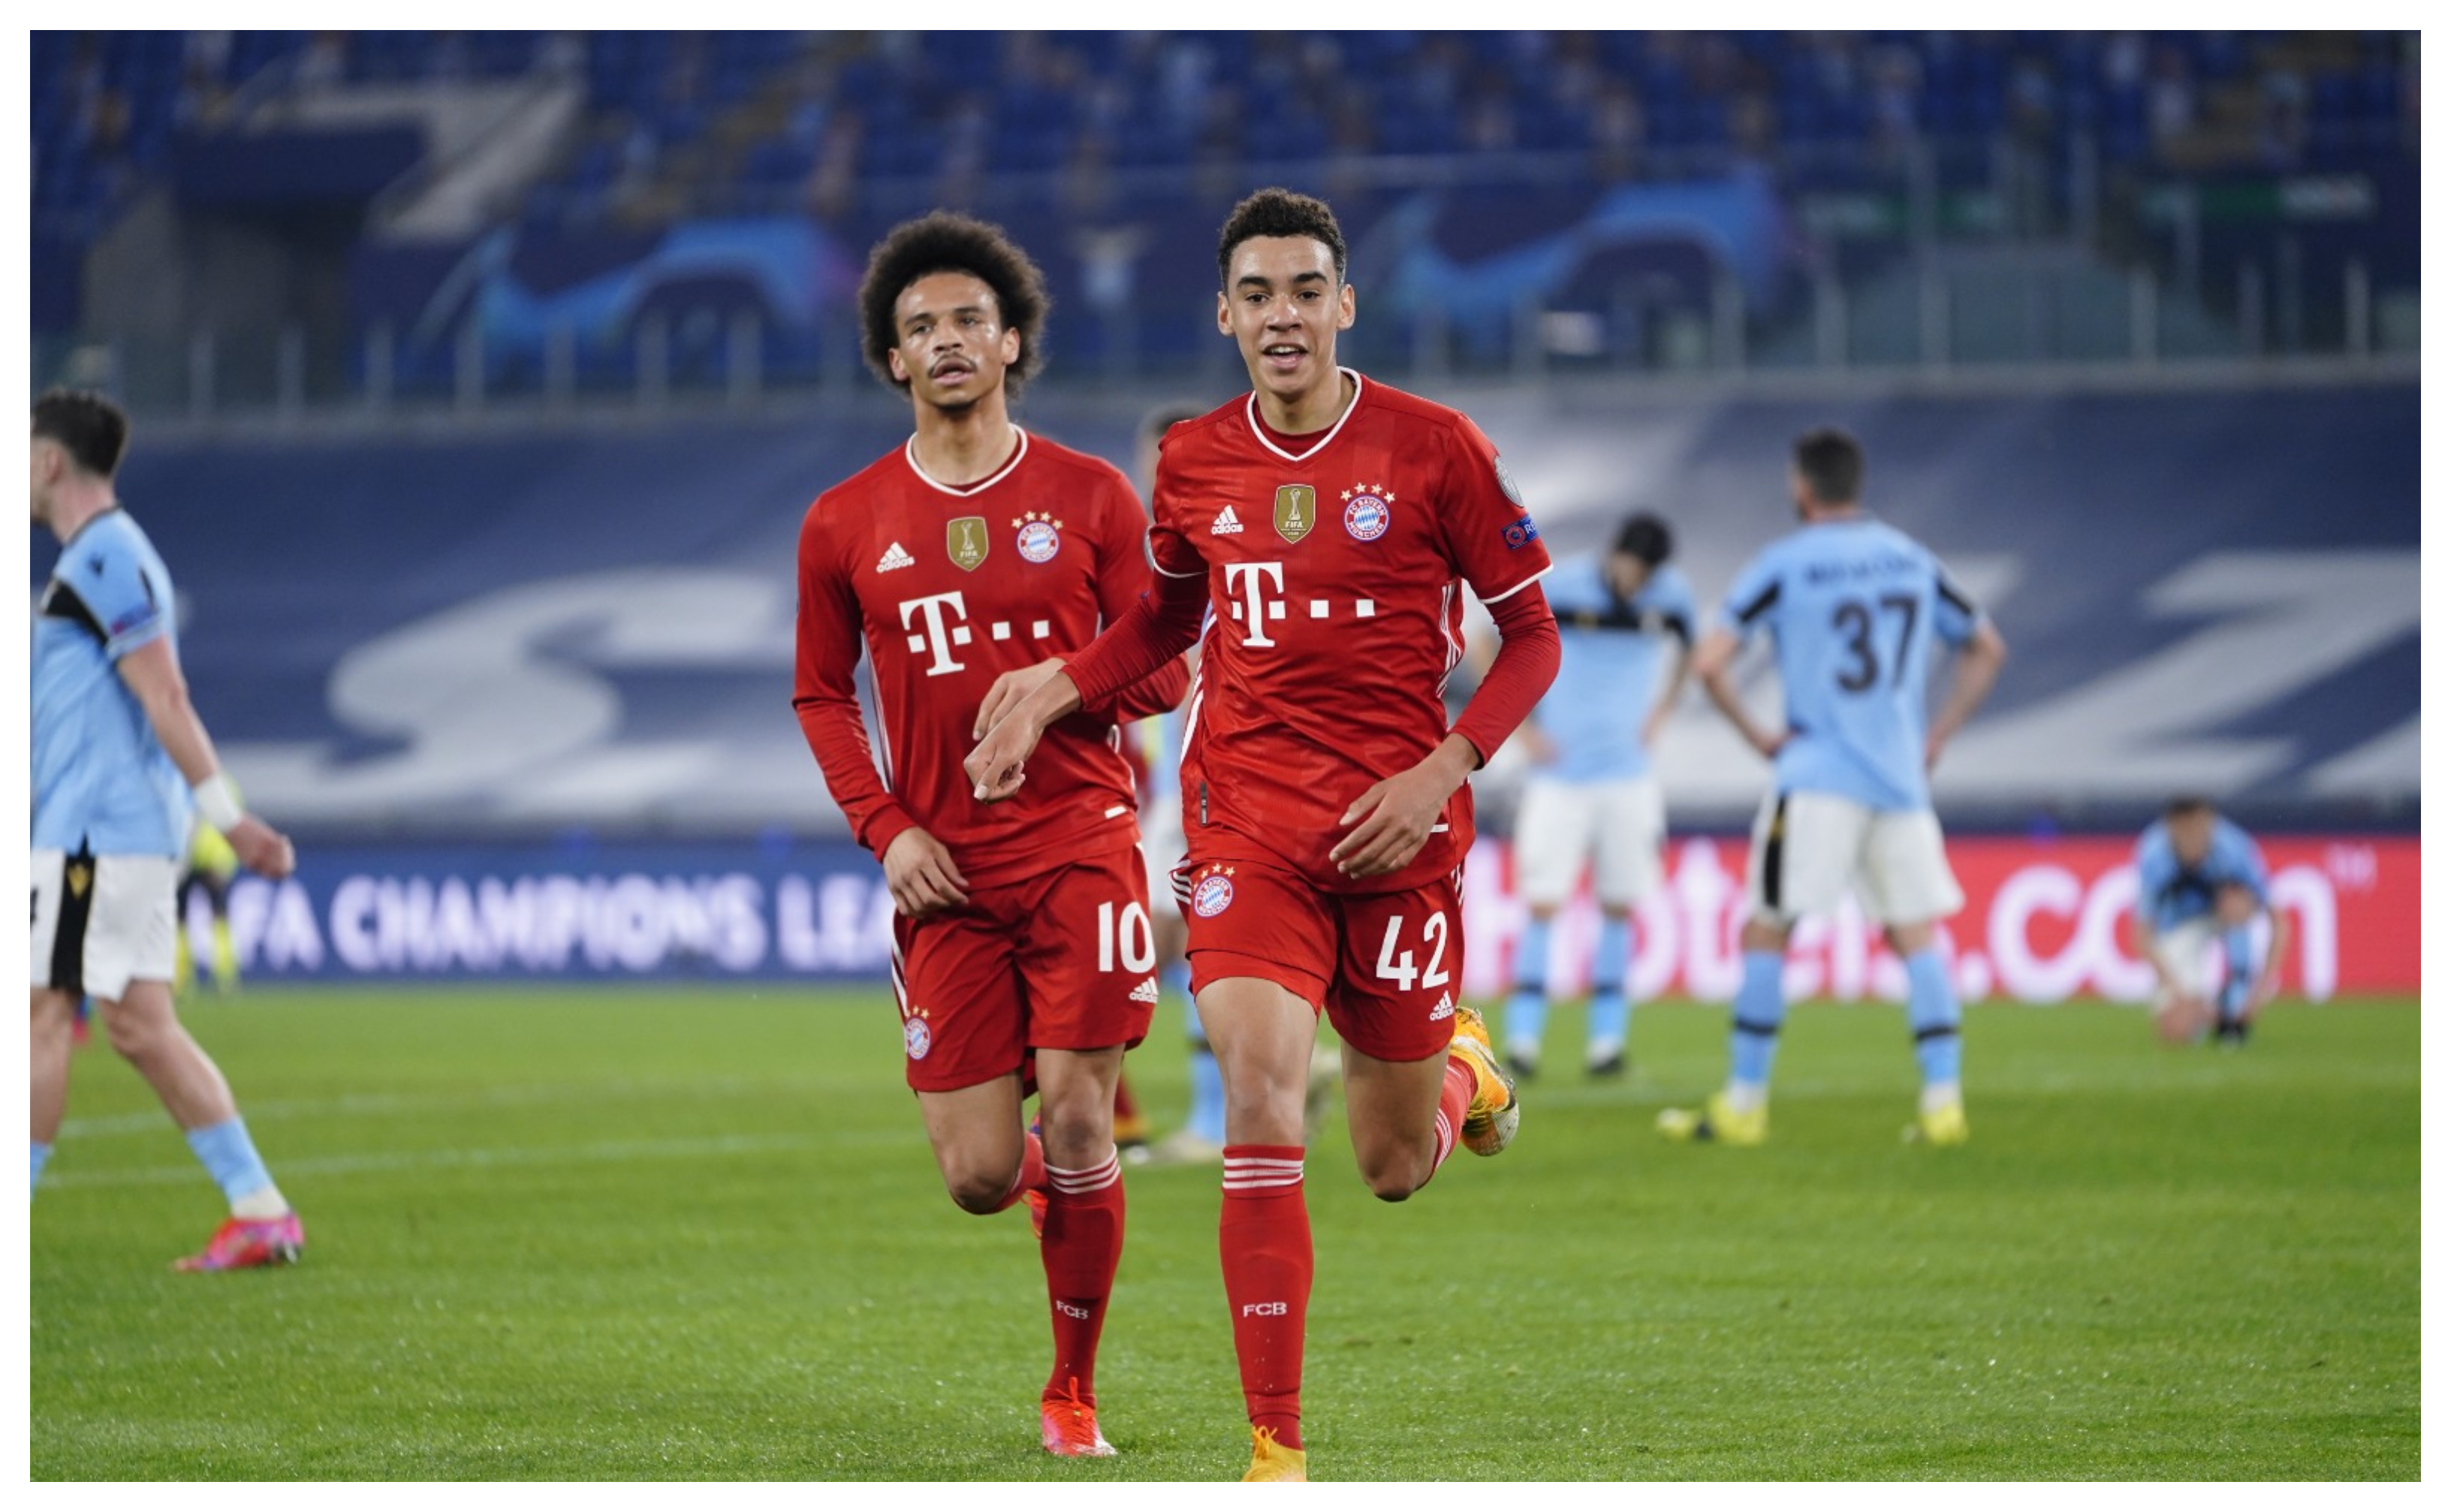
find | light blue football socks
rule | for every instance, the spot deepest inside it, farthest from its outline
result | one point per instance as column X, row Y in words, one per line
column 1527, row 1011
column 1610, row 1010
column 1933, row 1013
column 1753, row 1041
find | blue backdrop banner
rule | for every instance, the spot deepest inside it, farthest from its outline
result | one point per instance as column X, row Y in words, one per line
column 647, row 912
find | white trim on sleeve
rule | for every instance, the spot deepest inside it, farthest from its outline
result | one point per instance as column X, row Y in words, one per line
column 1519, row 587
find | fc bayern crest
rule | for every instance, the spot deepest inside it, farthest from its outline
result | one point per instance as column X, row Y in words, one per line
column 1211, row 893
column 1368, row 509
column 1040, row 538
column 916, row 1038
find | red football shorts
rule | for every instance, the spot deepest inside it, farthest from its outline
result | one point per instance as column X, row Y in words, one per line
column 1387, row 967
column 1057, row 961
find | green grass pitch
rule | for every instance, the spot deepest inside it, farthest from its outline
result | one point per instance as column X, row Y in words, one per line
column 641, row 1235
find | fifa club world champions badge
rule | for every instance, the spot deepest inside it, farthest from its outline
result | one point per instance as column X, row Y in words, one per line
column 966, row 541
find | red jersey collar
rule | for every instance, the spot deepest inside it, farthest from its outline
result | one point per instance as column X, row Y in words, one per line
column 1261, row 433
column 1021, row 449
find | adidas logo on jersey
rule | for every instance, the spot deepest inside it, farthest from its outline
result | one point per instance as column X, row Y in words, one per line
column 1147, row 992
column 1226, row 524
column 1446, row 1007
column 895, row 557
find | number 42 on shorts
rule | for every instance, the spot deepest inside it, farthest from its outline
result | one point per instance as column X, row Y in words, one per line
column 1398, row 968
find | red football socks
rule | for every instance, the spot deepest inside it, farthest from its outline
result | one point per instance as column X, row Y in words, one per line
column 1454, row 1100
column 1083, row 1240
column 1264, row 1238
column 1031, row 1176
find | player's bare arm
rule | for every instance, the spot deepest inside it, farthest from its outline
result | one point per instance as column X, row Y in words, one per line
column 2268, row 982
column 995, row 766
column 1680, row 670
column 1009, row 691
column 152, row 672
column 1397, row 812
column 1978, row 668
column 1713, row 662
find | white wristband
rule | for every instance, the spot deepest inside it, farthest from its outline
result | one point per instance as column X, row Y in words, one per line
column 218, row 802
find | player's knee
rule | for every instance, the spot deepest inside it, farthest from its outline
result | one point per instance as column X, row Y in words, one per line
column 1909, row 939
column 1391, row 1180
column 1391, row 1184
column 1393, row 1173
column 1761, row 933
column 133, row 1035
column 1077, row 1131
column 978, row 1192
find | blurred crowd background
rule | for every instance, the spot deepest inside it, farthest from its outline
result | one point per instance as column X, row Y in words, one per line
column 396, row 216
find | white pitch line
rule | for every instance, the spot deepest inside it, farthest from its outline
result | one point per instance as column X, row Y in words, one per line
column 514, row 1155
column 367, row 1104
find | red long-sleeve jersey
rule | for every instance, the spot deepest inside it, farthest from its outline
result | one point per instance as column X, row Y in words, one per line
column 946, row 589
column 1335, row 568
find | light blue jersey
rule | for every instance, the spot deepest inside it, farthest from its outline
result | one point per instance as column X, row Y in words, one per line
column 1161, row 739
column 1854, row 606
column 1609, row 659
column 102, row 781
column 2170, row 895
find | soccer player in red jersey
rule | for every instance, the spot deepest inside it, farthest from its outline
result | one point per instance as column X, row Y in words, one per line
column 965, row 562
column 1331, row 524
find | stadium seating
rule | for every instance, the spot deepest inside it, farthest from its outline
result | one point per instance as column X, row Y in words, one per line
column 701, row 118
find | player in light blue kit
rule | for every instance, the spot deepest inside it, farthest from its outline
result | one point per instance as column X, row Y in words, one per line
column 1854, row 606
column 2200, row 879
column 1201, row 1141
column 1591, row 797
column 122, row 765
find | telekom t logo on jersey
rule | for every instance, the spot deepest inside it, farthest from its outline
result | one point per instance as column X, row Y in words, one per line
column 938, row 638
column 1261, row 587
column 1258, row 591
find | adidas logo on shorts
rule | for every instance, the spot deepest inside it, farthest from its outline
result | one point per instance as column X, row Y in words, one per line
column 1226, row 524
column 895, row 557
column 1446, row 1007
column 1147, row 992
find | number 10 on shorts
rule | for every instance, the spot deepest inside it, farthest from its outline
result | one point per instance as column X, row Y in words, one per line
column 1398, row 968
column 1129, row 935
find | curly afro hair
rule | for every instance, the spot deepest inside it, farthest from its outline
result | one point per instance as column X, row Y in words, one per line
column 944, row 242
column 1279, row 212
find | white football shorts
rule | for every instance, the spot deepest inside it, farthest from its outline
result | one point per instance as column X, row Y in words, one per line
column 1810, row 848
column 2191, row 953
column 104, row 921
column 1617, row 826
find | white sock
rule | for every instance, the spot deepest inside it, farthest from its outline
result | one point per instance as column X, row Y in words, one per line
column 1743, row 1097
column 1937, row 1095
column 261, row 1206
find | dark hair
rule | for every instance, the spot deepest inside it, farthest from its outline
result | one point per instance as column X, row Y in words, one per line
column 1831, row 464
column 943, row 242
column 1279, row 212
column 2186, row 803
column 1165, row 418
column 91, row 428
column 1646, row 538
